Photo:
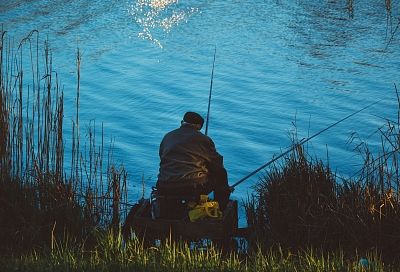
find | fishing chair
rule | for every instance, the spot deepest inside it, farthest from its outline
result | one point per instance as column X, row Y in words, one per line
column 172, row 203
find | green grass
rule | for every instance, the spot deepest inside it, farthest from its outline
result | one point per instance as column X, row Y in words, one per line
column 112, row 254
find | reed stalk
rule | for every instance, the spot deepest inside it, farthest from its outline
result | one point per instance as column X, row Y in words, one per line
column 36, row 195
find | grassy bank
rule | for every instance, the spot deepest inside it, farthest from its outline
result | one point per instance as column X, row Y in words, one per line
column 111, row 254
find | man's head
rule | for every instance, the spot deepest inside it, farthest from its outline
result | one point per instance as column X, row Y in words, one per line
column 194, row 119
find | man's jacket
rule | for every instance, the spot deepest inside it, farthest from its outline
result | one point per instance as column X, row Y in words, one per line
column 187, row 156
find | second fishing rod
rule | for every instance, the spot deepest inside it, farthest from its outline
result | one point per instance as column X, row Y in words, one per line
column 300, row 143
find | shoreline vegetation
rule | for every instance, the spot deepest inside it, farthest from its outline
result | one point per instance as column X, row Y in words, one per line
column 66, row 216
column 41, row 196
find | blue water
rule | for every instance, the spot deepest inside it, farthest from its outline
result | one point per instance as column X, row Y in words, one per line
column 144, row 63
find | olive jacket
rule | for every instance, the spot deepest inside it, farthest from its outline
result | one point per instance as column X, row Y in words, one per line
column 187, row 156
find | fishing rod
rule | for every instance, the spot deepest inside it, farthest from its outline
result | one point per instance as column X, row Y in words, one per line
column 303, row 141
column 209, row 96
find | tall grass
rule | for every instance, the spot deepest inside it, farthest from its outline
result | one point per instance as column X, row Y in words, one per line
column 38, row 199
column 300, row 203
column 112, row 254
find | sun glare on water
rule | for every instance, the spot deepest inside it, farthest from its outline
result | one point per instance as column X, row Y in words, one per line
column 157, row 17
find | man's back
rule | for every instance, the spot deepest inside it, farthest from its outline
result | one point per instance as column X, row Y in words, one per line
column 190, row 164
column 186, row 154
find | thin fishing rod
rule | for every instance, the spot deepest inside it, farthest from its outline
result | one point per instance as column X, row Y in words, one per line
column 209, row 96
column 303, row 141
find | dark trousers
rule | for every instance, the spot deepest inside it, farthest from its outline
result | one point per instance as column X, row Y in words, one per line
column 216, row 181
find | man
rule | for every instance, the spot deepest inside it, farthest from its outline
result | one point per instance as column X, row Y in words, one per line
column 190, row 165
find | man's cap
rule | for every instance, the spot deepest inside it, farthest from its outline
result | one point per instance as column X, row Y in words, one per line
column 193, row 118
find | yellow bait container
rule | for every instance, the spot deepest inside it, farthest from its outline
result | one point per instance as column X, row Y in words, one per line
column 203, row 209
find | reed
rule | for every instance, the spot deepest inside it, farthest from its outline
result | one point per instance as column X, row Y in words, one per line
column 300, row 203
column 38, row 200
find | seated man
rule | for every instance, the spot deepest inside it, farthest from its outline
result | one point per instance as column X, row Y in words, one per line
column 190, row 164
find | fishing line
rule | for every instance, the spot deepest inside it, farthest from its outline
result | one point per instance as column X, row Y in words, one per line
column 303, row 141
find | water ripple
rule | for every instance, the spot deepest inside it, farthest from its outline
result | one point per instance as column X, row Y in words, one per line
column 155, row 15
column 146, row 62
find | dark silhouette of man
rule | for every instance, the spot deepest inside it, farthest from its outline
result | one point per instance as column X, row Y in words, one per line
column 190, row 164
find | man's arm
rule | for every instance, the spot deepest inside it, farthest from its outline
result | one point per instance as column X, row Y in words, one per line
column 215, row 161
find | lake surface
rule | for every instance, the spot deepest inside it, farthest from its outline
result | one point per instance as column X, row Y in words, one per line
column 145, row 63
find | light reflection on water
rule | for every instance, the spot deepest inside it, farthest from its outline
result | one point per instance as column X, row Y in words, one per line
column 154, row 15
column 147, row 62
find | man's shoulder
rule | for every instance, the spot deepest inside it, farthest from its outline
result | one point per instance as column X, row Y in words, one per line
column 172, row 132
column 184, row 131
